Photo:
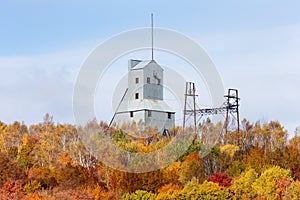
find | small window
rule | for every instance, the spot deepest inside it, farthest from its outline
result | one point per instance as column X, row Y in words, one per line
column 158, row 81
column 136, row 80
column 137, row 95
column 131, row 113
column 169, row 115
column 148, row 80
column 149, row 113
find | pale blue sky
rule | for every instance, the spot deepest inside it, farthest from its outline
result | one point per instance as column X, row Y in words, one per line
column 254, row 44
column 34, row 27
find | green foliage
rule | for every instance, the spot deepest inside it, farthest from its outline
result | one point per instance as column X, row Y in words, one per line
column 196, row 146
column 120, row 136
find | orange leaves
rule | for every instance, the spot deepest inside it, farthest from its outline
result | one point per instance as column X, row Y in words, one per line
column 51, row 157
column 66, row 160
column 191, row 167
column 171, row 173
column 194, row 156
column 9, row 169
column 168, row 187
column 12, row 190
column 129, row 182
column 283, row 184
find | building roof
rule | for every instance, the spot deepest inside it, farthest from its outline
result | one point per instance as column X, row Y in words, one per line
column 143, row 64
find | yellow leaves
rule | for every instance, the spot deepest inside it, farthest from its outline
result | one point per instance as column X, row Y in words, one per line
column 172, row 172
column 31, row 186
column 55, row 156
column 210, row 189
column 139, row 194
column 132, row 147
column 10, row 135
column 142, row 148
column 295, row 143
column 194, row 190
column 242, row 186
column 2, row 135
column 265, row 185
column 41, row 172
column 293, row 191
column 25, row 139
column 229, row 149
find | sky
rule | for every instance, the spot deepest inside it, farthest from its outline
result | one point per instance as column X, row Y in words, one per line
column 255, row 46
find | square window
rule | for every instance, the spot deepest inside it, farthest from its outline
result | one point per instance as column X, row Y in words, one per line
column 136, row 80
column 137, row 95
column 169, row 115
column 148, row 80
column 149, row 113
column 131, row 113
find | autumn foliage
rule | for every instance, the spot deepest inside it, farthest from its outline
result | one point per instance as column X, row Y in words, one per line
column 50, row 161
column 221, row 179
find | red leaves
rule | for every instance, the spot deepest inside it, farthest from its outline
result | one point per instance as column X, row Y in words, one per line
column 296, row 173
column 221, row 178
column 283, row 184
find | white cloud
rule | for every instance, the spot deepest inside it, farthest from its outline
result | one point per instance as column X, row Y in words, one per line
column 265, row 66
column 34, row 85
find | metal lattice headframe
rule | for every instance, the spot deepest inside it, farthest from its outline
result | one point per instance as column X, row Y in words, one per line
column 230, row 106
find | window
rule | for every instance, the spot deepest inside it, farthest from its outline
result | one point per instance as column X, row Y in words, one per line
column 169, row 115
column 136, row 80
column 131, row 113
column 149, row 113
column 137, row 95
column 148, row 80
column 158, row 81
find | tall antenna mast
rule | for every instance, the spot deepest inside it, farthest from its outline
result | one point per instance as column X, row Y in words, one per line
column 152, row 36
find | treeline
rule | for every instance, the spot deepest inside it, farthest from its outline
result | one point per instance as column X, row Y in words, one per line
column 51, row 161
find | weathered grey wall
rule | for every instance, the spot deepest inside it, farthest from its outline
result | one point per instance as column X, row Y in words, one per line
column 153, row 90
column 150, row 97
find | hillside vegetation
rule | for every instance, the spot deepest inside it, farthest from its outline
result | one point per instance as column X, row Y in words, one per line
column 50, row 161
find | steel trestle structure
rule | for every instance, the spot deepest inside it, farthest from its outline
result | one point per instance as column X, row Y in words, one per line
column 230, row 106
